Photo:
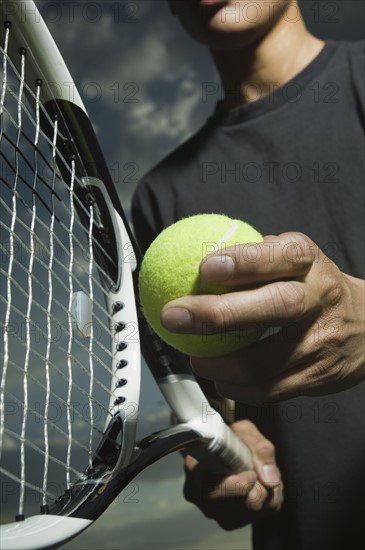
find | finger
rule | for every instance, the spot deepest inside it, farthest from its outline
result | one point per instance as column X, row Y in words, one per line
column 268, row 305
column 257, row 497
column 236, row 485
column 190, row 463
column 276, row 368
column 243, row 480
column 275, row 498
column 262, row 361
column 263, row 452
column 268, row 490
column 289, row 255
column 287, row 387
column 271, row 305
column 205, row 489
column 201, row 481
column 228, row 503
column 312, row 378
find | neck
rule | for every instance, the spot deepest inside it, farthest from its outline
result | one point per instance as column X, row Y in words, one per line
column 256, row 70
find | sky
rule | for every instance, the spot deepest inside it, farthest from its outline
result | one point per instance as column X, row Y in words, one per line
column 148, row 87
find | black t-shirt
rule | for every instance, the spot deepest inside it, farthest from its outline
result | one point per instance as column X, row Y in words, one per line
column 291, row 161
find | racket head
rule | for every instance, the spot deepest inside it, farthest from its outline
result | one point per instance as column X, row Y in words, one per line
column 60, row 184
column 70, row 374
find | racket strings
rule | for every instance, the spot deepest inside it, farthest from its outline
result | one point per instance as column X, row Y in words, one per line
column 57, row 433
column 49, row 327
column 11, row 243
column 77, row 364
column 80, row 245
column 37, row 413
column 5, row 69
column 29, row 166
column 54, row 171
column 94, row 403
column 30, row 287
column 91, row 339
column 43, row 268
column 41, row 251
column 61, row 203
column 44, row 289
column 70, row 327
column 53, row 319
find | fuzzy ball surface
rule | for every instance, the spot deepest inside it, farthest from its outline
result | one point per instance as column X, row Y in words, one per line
column 170, row 270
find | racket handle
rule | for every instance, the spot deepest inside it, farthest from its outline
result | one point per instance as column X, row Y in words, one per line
column 229, row 454
column 222, row 451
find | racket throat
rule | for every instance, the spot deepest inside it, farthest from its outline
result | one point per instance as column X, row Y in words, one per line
column 77, row 500
column 109, row 449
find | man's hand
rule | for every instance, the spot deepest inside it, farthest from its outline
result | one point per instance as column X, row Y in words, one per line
column 236, row 500
column 288, row 284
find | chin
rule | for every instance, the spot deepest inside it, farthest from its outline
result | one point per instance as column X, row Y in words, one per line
column 230, row 39
column 224, row 30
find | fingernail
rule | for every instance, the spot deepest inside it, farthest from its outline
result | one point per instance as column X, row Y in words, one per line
column 217, row 268
column 177, row 319
column 254, row 495
column 270, row 473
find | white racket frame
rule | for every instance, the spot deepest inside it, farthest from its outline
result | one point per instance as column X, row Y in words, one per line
column 182, row 392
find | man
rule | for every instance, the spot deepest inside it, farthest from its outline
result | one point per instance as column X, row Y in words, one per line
column 284, row 152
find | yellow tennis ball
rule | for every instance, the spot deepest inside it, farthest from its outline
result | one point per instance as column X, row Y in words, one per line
column 170, row 270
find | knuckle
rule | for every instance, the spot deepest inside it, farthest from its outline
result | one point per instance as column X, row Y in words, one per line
column 334, row 291
column 303, row 241
column 334, row 336
column 244, row 429
column 318, row 373
column 243, row 426
column 222, row 313
column 324, row 371
column 275, row 505
column 257, row 497
column 298, row 249
column 265, row 449
column 333, row 284
column 288, row 299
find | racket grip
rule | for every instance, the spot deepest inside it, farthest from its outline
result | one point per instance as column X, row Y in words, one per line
column 224, row 453
column 221, row 450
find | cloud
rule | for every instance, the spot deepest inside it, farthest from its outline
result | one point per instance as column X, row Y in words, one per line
column 164, row 121
column 140, row 78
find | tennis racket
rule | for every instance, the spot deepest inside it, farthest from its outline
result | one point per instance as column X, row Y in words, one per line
column 72, row 327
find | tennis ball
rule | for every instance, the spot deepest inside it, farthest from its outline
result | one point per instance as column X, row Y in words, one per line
column 170, row 270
